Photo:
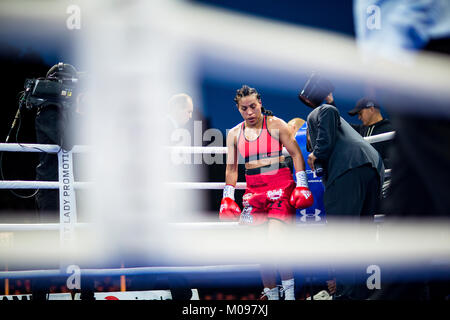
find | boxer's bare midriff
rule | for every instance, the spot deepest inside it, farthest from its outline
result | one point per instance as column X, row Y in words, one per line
column 263, row 162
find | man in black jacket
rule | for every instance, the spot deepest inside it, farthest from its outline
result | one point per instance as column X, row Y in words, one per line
column 373, row 123
column 353, row 169
column 337, row 148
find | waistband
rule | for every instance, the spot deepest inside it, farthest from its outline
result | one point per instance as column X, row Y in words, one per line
column 270, row 167
column 260, row 156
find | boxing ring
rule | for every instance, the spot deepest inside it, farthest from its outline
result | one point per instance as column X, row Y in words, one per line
column 68, row 219
column 18, row 184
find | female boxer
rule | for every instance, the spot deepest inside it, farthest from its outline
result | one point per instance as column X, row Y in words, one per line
column 272, row 195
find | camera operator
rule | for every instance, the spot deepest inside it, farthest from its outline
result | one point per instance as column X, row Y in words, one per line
column 51, row 124
column 59, row 110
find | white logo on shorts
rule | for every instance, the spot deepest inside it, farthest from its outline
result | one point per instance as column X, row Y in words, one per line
column 274, row 194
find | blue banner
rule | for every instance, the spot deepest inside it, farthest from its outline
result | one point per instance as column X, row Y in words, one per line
column 316, row 213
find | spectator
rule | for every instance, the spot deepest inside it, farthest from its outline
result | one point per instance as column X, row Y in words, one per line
column 373, row 123
column 179, row 112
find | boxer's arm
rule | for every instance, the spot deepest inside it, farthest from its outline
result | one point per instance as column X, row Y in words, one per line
column 291, row 145
column 229, row 209
column 301, row 196
column 231, row 171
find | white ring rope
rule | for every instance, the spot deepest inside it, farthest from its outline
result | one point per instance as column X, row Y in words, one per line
column 49, row 148
column 12, row 227
column 19, row 184
column 198, row 150
column 380, row 137
column 134, row 271
column 223, row 150
column 204, row 185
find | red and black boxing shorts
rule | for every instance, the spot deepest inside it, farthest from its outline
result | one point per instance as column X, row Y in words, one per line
column 267, row 195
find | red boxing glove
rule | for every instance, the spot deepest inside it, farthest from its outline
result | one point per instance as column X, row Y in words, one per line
column 229, row 209
column 301, row 196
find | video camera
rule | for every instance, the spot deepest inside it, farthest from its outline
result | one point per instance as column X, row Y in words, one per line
column 60, row 87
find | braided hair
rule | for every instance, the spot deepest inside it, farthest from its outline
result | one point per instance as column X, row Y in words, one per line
column 247, row 91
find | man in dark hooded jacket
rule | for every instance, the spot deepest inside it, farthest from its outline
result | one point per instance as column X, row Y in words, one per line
column 353, row 169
